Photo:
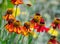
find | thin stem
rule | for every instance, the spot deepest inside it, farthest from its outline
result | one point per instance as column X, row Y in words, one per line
column 16, row 11
column 22, row 40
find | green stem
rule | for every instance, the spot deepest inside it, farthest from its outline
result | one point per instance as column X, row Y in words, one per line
column 30, row 38
column 20, row 37
column 22, row 40
column 16, row 11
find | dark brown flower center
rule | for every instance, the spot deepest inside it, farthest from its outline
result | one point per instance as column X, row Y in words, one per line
column 38, row 14
column 9, row 12
column 27, row 26
column 10, row 21
column 16, row 24
column 35, row 20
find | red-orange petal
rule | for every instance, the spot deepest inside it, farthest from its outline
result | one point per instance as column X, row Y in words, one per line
column 15, row 30
column 17, row 2
column 6, row 26
column 18, row 30
column 5, row 17
column 10, row 30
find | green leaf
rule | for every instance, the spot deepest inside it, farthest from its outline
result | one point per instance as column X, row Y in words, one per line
column 0, row 17
column 9, row 5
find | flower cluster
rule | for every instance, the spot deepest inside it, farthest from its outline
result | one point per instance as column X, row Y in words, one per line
column 14, row 25
column 37, row 23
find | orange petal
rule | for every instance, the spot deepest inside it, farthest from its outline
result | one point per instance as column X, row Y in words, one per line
column 5, row 17
column 11, row 17
column 16, row 2
column 15, row 30
column 6, row 26
column 18, row 30
column 10, row 30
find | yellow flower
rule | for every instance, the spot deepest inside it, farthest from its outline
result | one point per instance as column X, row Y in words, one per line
column 53, row 32
column 17, row 12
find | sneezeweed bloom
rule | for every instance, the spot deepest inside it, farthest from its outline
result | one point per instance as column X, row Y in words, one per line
column 39, row 23
column 35, row 20
column 8, row 14
column 17, row 2
column 13, row 26
column 29, row 31
column 17, row 27
column 53, row 40
column 25, row 29
column 40, row 27
column 56, row 23
column 9, row 26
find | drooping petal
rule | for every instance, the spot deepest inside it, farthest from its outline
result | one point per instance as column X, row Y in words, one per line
column 18, row 30
column 24, row 31
column 15, row 29
column 10, row 30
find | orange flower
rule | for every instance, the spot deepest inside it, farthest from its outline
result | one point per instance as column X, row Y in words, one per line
column 9, row 27
column 28, row 29
column 17, row 2
column 17, row 27
column 17, row 30
column 24, row 31
column 8, row 15
column 13, row 26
